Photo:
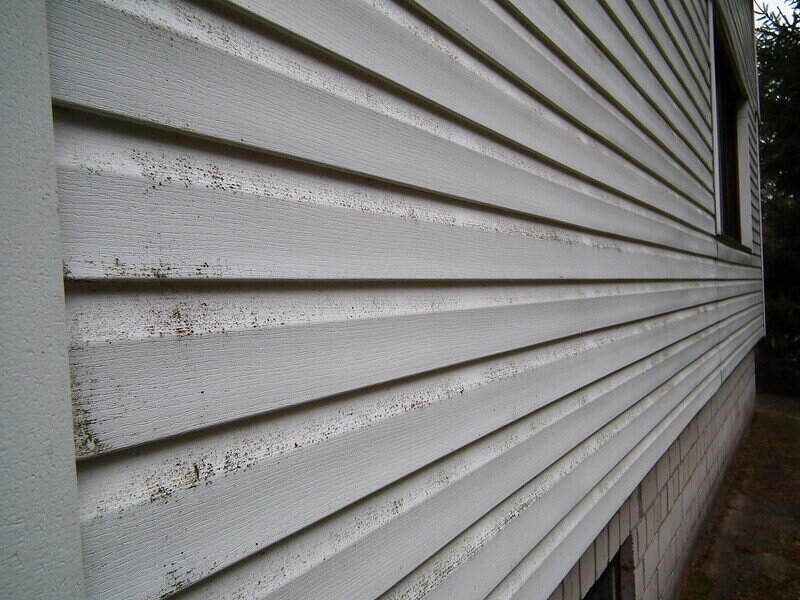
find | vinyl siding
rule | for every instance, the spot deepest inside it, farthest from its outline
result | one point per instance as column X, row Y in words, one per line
column 383, row 300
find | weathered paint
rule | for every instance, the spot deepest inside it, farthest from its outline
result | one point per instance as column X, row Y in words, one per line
column 384, row 299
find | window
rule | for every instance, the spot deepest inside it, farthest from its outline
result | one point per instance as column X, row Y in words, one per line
column 731, row 145
column 608, row 586
column 616, row 581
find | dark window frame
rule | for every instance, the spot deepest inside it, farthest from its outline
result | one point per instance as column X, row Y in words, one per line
column 609, row 585
column 729, row 99
column 616, row 582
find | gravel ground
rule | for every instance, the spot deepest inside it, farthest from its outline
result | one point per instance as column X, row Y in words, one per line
column 750, row 544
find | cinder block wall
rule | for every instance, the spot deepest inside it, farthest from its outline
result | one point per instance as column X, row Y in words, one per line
column 655, row 528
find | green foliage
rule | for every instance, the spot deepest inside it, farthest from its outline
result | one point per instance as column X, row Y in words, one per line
column 778, row 42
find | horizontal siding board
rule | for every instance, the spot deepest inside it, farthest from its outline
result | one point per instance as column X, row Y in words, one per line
column 286, row 502
column 673, row 31
column 106, row 167
column 690, row 39
column 354, row 30
column 109, row 312
column 114, row 230
column 734, row 255
column 618, row 48
column 136, row 391
column 649, row 19
column 125, row 63
column 511, row 530
column 688, row 10
column 543, row 568
column 552, row 22
column 688, row 102
column 384, row 300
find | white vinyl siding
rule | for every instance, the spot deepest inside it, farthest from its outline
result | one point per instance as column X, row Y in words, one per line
column 382, row 300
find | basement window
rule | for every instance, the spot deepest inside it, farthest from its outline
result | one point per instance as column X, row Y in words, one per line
column 608, row 586
column 616, row 581
column 731, row 142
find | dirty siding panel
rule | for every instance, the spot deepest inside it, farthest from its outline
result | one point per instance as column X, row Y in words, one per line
column 395, row 232
column 406, row 323
column 598, row 24
column 652, row 55
column 507, row 534
column 395, row 429
column 695, row 69
column 353, row 31
column 281, row 367
column 564, row 34
column 502, row 40
column 410, row 532
column 649, row 19
column 277, row 113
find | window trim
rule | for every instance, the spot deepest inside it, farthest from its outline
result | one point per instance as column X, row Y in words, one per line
column 717, row 23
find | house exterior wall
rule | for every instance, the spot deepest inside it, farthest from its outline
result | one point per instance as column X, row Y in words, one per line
column 375, row 299
column 654, row 529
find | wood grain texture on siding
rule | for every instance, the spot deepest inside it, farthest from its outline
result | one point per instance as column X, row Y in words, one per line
column 546, row 563
column 598, row 23
column 650, row 19
column 125, row 65
column 124, row 164
column 242, row 235
column 672, row 29
column 134, row 391
column 566, row 35
column 689, row 102
column 414, row 513
column 354, row 30
column 383, row 299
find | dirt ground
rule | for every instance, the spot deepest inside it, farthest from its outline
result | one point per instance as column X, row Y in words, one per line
column 750, row 544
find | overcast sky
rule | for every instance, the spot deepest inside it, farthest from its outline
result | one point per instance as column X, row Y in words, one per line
column 784, row 5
